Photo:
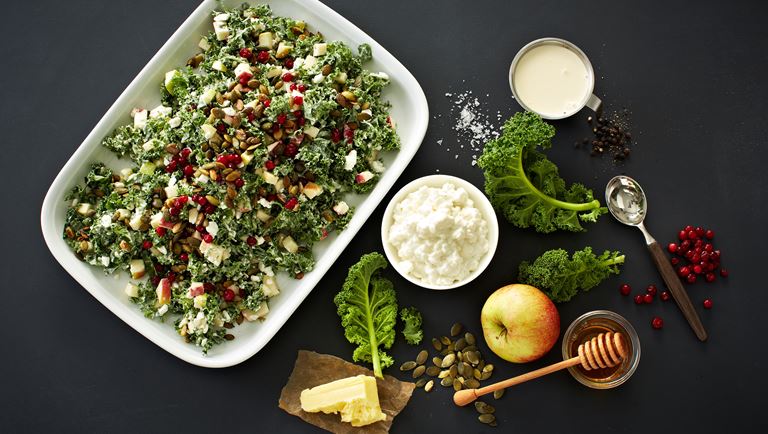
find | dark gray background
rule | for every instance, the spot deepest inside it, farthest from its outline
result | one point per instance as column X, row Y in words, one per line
column 692, row 73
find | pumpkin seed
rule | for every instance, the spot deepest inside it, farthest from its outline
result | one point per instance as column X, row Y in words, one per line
column 421, row 382
column 488, row 368
column 498, row 394
column 422, row 357
column 437, row 361
column 429, row 385
column 445, row 373
column 445, row 340
column 480, row 407
column 473, row 357
column 460, row 344
column 436, row 343
column 453, row 371
column 470, row 348
column 472, row 383
column 485, row 376
column 493, row 424
column 448, row 360
column 477, row 374
column 470, row 338
column 486, row 418
column 433, row 371
column 419, row 371
column 460, row 356
column 457, row 384
column 447, row 381
column 407, row 366
column 456, row 329
column 465, row 370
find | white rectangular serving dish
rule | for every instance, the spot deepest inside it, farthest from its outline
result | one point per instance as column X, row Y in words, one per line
column 409, row 112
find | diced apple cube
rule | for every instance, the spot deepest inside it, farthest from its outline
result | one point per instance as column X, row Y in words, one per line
column 140, row 118
column 311, row 130
column 251, row 315
column 309, row 62
column 221, row 30
column 262, row 215
column 350, row 160
column 135, row 221
column 208, row 131
column 195, row 289
column 312, row 190
column 221, row 17
column 274, row 72
column 203, row 44
column 192, row 217
column 319, row 49
column 132, row 290
column 283, row 50
column 85, row 209
column 163, row 291
column 137, row 268
column 207, row 96
column 363, row 177
column 171, row 191
column 269, row 287
column 290, row 245
column 218, row 65
column 200, row 300
column 341, row 208
column 265, row 40
column 241, row 68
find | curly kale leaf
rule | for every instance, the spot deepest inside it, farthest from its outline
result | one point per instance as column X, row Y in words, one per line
column 367, row 306
column 411, row 318
column 525, row 186
column 561, row 277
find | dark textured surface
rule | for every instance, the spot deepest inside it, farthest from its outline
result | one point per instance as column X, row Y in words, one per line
column 693, row 75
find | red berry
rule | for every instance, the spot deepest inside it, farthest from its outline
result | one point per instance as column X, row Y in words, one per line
column 291, row 203
column 675, row 261
column 266, row 102
column 298, row 100
column 269, row 165
column 202, row 201
column 188, row 170
column 664, row 296
column 262, row 57
column 691, row 278
column 229, row 295
column 159, row 269
column 184, row 257
column 335, row 135
column 648, row 299
column 239, row 183
column 174, row 211
column 651, row 289
column 707, row 303
column 724, row 272
column 160, row 231
column 146, row 245
column 699, row 231
column 290, row 150
column 287, row 77
column 186, row 152
column 683, row 271
column 171, row 167
column 302, row 88
column 251, row 241
column 281, row 118
column 682, row 235
column 697, row 269
column 710, row 277
column 208, row 287
column 625, row 289
column 221, row 128
column 200, row 228
column 209, row 209
column 692, row 235
column 300, row 121
column 245, row 53
column 688, row 228
column 289, row 64
column 208, row 238
column 638, row 299
column 672, row 247
column 155, row 280
column 709, row 234
column 657, row 323
column 685, row 245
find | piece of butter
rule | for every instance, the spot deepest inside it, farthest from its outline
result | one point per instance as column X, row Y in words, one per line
column 356, row 398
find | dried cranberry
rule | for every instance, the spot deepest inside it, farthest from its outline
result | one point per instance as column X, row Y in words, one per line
column 208, row 287
column 625, row 289
column 239, row 182
column 281, row 118
column 291, row 203
column 208, row 238
column 657, row 323
column 302, row 88
column 287, row 77
column 229, row 295
column 664, row 296
column 638, row 299
column 251, row 241
column 146, row 245
column 160, row 231
column 707, row 303
column 269, row 165
column 288, row 64
column 290, row 150
column 263, row 56
column 245, row 53
column 648, row 299
column 651, row 289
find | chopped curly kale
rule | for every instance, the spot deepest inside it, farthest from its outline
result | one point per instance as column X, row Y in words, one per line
column 525, row 186
column 411, row 318
column 561, row 277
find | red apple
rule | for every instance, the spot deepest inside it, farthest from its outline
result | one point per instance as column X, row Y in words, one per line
column 163, row 291
column 520, row 323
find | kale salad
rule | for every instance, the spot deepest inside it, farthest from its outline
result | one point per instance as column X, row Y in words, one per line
column 238, row 172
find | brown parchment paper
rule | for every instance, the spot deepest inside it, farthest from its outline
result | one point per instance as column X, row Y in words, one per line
column 313, row 369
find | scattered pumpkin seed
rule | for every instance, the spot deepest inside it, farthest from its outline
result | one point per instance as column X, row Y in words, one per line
column 443, row 374
column 453, row 371
column 457, row 384
column 473, row 357
column 470, row 338
column 437, row 361
column 498, row 394
column 470, row 348
column 488, row 368
column 456, row 329
column 433, row 371
column 485, row 376
column 447, row 381
column 484, row 408
column 448, row 360
column 407, row 366
column 429, row 385
column 436, row 343
column 421, row 382
column 477, row 374
column 422, row 357
column 493, row 424
column 445, row 340
column 472, row 383
column 419, row 371
column 460, row 344
column 486, row 418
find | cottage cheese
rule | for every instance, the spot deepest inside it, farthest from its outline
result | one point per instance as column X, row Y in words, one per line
column 439, row 235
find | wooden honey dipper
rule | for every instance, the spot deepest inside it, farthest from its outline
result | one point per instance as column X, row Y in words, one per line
column 605, row 350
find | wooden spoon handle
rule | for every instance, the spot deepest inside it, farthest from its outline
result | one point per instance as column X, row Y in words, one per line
column 678, row 291
column 464, row 397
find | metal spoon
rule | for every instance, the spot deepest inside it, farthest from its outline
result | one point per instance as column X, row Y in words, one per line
column 626, row 202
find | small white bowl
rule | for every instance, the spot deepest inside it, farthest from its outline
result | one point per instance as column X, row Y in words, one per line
column 480, row 202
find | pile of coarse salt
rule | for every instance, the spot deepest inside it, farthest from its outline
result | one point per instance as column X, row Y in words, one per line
column 472, row 123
